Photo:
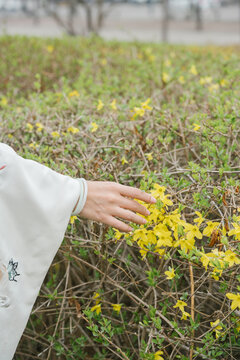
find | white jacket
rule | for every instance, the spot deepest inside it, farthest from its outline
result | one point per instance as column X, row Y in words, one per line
column 35, row 207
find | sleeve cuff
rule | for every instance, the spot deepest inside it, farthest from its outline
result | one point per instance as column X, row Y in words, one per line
column 83, row 191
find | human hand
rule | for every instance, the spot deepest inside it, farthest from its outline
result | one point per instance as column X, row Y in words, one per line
column 107, row 199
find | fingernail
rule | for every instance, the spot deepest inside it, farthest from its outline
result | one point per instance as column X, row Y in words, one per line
column 153, row 199
column 144, row 221
column 148, row 212
column 130, row 229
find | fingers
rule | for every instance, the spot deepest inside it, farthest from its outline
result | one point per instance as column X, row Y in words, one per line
column 134, row 206
column 129, row 216
column 136, row 193
column 117, row 224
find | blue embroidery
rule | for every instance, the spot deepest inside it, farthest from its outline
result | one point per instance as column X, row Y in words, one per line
column 11, row 269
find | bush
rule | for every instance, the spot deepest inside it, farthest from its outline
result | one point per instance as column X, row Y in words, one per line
column 163, row 118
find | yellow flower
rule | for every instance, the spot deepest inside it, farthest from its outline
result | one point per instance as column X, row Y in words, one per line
column 124, row 160
column 73, row 130
column 154, row 214
column 157, row 355
column 170, row 274
column 223, row 82
column 4, row 101
column 149, row 156
column 100, row 105
column 238, row 326
column 216, row 274
column 145, row 105
column 164, row 238
column 180, row 304
column 33, row 146
column 199, row 219
column 140, row 234
column 116, row 307
column 165, row 77
column 235, row 299
column 74, row 93
column 96, row 308
column 210, row 227
column 55, row 134
column 181, row 79
column 148, row 51
column 151, row 237
column 158, row 193
column 139, row 111
column 205, row 260
column 160, row 252
column 231, row 258
column 205, row 80
column 196, row 127
column 192, row 232
column 29, row 126
column 94, row 127
column 193, row 70
column 185, row 315
column 113, row 105
column 213, row 87
column 10, row 136
column 118, row 234
column 209, row 258
column 143, row 252
column 151, row 58
column 72, row 219
column 39, row 127
column 104, row 62
column 215, row 323
column 50, row 48
column 173, row 220
column 167, row 62
column 97, row 298
column 185, row 244
column 217, row 327
column 235, row 231
column 161, row 230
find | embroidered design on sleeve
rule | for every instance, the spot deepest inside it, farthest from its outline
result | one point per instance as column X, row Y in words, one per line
column 12, row 270
column 2, row 167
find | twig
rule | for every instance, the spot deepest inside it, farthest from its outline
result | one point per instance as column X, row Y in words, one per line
column 192, row 308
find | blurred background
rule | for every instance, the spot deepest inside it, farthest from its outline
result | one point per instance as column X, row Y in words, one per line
column 173, row 21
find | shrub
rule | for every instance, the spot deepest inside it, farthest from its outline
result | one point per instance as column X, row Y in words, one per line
column 166, row 119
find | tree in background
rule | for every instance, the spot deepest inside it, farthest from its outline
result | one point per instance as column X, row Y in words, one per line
column 197, row 10
column 95, row 13
column 165, row 20
column 66, row 12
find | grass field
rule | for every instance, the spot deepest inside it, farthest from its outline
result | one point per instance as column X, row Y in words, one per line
column 163, row 118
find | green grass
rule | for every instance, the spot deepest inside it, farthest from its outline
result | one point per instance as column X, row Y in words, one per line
column 199, row 166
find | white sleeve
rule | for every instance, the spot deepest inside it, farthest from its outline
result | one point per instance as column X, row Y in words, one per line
column 35, row 207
